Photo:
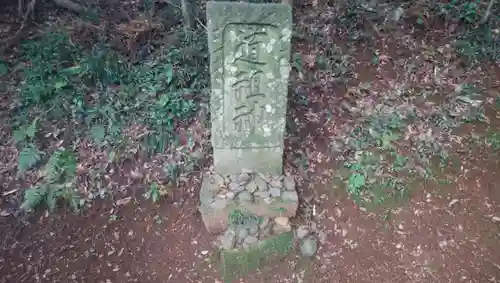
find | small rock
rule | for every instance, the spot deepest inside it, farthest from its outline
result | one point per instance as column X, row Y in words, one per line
column 221, row 196
column 261, row 184
column 244, row 178
column 308, row 247
column 264, row 222
column 276, row 184
column 290, row 196
column 289, row 183
column 275, row 192
column 262, row 194
column 217, row 180
column 219, row 203
column 230, row 195
column 280, row 229
column 228, row 240
column 267, row 230
column 253, row 229
column 251, row 187
column 250, row 240
column 242, row 233
column 268, row 200
column 235, row 187
column 245, row 196
column 283, row 221
column 302, row 232
column 322, row 237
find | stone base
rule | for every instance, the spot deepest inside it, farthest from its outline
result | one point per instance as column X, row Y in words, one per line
column 263, row 196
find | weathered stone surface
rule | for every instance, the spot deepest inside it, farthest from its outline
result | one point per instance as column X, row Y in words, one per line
column 245, row 196
column 242, row 232
column 243, row 178
column 228, row 240
column 251, row 187
column 249, row 64
column 253, row 228
column 289, row 183
column 280, row 229
column 283, row 221
column 290, row 196
column 308, row 247
column 230, row 195
column 302, row 231
column 261, row 183
column 276, row 184
column 274, row 209
column 250, row 240
column 235, row 187
column 275, row 192
column 262, row 194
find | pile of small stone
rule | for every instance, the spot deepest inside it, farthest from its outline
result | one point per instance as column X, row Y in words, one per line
column 244, row 187
column 249, row 234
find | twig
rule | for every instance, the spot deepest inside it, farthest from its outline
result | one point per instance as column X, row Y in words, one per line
column 9, row 192
column 180, row 8
column 8, row 42
column 487, row 13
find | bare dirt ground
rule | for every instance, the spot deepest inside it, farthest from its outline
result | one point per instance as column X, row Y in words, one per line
column 442, row 233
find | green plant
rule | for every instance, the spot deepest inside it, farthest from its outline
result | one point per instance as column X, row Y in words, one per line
column 465, row 11
column 237, row 217
column 493, row 139
column 29, row 155
column 392, row 144
column 57, row 184
column 155, row 192
column 478, row 44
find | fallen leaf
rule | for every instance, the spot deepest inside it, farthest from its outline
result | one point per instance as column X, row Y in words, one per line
column 123, row 201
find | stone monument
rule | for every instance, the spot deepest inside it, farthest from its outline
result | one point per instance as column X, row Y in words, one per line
column 247, row 199
column 249, row 66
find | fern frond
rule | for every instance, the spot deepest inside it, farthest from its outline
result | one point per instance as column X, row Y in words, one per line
column 61, row 166
column 98, row 133
column 33, row 197
column 28, row 157
column 53, row 195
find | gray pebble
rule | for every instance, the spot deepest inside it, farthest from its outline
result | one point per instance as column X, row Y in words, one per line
column 264, row 222
column 262, row 194
column 245, row 196
column 302, row 232
column 261, row 184
column 219, row 203
column 251, row 187
column 233, row 186
column 276, row 184
column 250, row 240
column 275, row 192
column 228, row 240
column 230, row 195
column 242, row 233
column 308, row 247
column 253, row 229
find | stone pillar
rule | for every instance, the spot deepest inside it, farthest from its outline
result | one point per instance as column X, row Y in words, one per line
column 249, row 48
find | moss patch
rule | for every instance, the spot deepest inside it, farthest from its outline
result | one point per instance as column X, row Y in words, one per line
column 238, row 263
